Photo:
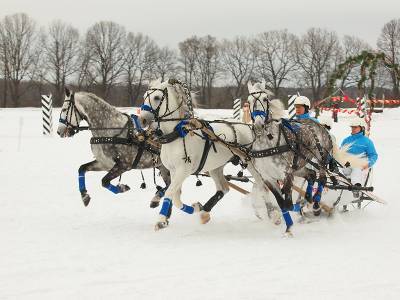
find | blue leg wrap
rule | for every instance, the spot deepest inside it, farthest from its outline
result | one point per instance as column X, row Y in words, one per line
column 296, row 207
column 309, row 189
column 317, row 196
column 113, row 188
column 82, row 186
column 187, row 209
column 165, row 207
column 287, row 218
column 161, row 193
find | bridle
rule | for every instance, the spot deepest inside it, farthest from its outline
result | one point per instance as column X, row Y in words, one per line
column 156, row 111
column 257, row 112
column 72, row 110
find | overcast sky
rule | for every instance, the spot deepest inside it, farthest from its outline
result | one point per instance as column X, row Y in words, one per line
column 170, row 21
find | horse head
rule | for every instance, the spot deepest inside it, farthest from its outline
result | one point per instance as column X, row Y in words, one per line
column 164, row 100
column 259, row 100
column 70, row 116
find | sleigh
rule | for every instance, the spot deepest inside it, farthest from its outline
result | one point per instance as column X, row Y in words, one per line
column 339, row 193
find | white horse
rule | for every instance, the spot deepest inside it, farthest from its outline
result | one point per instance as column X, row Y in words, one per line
column 186, row 153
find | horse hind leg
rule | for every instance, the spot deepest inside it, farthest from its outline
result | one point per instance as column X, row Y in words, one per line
column 317, row 195
column 90, row 166
column 115, row 171
column 222, row 188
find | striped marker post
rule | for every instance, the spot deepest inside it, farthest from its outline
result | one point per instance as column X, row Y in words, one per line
column 47, row 112
column 362, row 107
column 291, row 108
column 237, row 103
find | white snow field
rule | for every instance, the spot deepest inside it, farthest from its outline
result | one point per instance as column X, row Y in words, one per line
column 52, row 247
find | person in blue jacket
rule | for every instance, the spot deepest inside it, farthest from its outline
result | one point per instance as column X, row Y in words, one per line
column 302, row 105
column 359, row 144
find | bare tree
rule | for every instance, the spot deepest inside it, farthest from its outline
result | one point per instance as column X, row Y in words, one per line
column 238, row 62
column 19, row 52
column 389, row 43
column 86, row 76
column 165, row 63
column 316, row 55
column 208, row 65
column 140, row 59
column 61, row 50
column 106, row 41
column 275, row 53
column 189, row 50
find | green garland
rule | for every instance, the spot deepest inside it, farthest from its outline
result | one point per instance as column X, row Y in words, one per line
column 367, row 61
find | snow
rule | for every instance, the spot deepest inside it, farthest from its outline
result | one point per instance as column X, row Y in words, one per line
column 52, row 247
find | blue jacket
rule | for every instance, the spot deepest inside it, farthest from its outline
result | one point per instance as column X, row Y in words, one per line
column 360, row 144
column 305, row 116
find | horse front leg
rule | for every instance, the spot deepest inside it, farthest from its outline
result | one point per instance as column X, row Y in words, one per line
column 115, row 171
column 222, row 188
column 90, row 166
column 272, row 185
column 155, row 202
column 172, row 197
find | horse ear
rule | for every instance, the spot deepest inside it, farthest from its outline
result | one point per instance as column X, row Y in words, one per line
column 263, row 84
column 67, row 92
column 156, row 82
column 249, row 85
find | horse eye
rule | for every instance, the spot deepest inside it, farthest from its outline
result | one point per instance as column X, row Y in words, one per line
column 157, row 98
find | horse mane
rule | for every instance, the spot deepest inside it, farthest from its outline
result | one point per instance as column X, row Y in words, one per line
column 277, row 109
column 182, row 97
column 95, row 99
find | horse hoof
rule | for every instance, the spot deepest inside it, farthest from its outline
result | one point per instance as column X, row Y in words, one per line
column 154, row 204
column 161, row 225
column 205, row 217
column 86, row 199
column 123, row 188
column 288, row 234
column 197, row 206
column 316, row 209
column 275, row 217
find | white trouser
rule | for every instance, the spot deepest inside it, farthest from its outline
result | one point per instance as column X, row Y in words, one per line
column 356, row 175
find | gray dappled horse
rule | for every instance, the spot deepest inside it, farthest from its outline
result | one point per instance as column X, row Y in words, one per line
column 114, row 144
column 284, row 149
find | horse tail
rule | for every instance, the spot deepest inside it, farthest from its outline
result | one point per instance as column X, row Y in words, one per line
column 345, row 158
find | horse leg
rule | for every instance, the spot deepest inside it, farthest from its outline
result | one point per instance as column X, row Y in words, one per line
column 90, row 166
column 317, row 195
column 310, row 177
column 222, row 187
column 172, row 197
column 273, row 186
column 115, row 171
column 155, row 202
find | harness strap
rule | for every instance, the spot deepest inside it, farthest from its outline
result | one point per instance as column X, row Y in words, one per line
column 270, row 151
column 169, row 137
column 206, row 150
column 139, row 154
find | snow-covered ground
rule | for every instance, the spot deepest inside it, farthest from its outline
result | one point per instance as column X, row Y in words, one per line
column 52, row 247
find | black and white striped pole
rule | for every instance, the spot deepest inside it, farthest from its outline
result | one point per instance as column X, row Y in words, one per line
column 291, row 108
column 237, row 103
column 47, row 114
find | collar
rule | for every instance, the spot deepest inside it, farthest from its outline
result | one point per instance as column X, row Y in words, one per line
column 303, row 116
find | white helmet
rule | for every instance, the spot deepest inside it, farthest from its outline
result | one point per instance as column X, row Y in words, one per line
column 358, row 122
column 325, row 120
column 302, row 100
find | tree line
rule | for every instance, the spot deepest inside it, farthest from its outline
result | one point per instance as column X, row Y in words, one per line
column 117, row 64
